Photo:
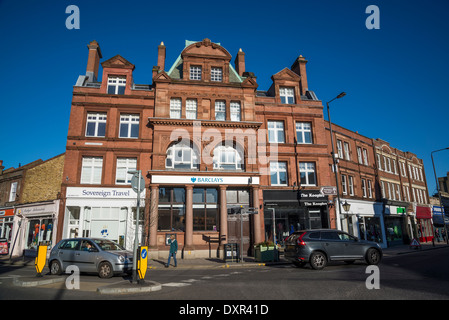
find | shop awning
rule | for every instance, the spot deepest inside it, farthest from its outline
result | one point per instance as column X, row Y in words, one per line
column 423, row 213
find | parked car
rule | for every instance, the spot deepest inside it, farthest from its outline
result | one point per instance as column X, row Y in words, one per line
column 101, row 256
column 317, row 247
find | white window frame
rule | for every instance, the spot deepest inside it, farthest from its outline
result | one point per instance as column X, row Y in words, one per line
column 96, row 118
column 95, row 166
column 359, row 155
column 123, row 166
column 347, row 152
column 227, row 158
column 191, row 108
column 216, row 74
column 196, row 72
column 287, row 95
column 13, row 192
column 131, row 120
column 303, row 129
column 277, row 168
column 175, row 108
column 118, row 83
column 235, row 111
column 220, row 110
column 187, row 156
column 364, row 191
column 365, row 157
column 370, row 189
column 339, row 149
column 307, row 168
column 398, row 192
column 344, row 188
column 351, row 185
column 274, row 129
column 379, row 163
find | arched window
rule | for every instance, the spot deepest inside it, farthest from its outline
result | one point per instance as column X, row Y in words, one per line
column 228, row 158
column 182, row 155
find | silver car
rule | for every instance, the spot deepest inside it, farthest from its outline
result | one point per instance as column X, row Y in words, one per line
column 101, row 256
column 317, row 247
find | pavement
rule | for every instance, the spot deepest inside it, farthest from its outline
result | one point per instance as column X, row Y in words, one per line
column 126, row 286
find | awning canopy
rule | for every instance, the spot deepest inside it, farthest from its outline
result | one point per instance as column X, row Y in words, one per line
column 423, row 213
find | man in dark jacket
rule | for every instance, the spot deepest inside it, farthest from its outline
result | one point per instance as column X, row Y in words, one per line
column 173, row 250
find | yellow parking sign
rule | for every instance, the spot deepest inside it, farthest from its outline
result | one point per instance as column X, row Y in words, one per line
column 142, row 262
column 41, row 259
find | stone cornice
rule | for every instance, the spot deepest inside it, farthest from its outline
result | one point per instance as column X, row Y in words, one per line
column 204, row 123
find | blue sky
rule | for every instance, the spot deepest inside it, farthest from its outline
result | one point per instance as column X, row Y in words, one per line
column 395, row 77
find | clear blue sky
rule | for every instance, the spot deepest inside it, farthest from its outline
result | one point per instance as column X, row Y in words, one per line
column 396, row 78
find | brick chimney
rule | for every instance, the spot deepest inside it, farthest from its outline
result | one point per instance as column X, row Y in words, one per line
column 161, row 56
column 93, row 61
column 299, row 67
column 1, row 167
column 240, row 62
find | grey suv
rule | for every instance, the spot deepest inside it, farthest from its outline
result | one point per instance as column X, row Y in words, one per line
column 317, row 247
column 101, row 256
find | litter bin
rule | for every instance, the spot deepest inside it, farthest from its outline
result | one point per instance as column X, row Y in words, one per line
column 231, row 252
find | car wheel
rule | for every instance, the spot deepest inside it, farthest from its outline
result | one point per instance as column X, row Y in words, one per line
column 372, row 256
column 55, row 268
column 318, row 260
column 105, row 270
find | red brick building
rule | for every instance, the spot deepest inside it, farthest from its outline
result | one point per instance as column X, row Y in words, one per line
column 216, row 154
column 206, row 140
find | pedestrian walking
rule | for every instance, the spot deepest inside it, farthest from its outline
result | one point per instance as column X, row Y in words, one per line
column 173, row 250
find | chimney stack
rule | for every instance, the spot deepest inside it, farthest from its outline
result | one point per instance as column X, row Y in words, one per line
column 1, row 167
column 299, row 67
column 240, row 62
column 161, row 56
column 93, row 61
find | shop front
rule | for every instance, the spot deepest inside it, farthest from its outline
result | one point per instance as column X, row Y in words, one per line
column 398, row 226
column 440, row 223
column 425, row 225
column 34, row 224
column 108, row 213
column 364, row 220
column 6, row 223
column 287, row 211
column 204, row 213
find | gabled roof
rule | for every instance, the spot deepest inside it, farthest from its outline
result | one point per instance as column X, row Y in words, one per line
column 286, row 74
column 117, row 62
column 175, row 72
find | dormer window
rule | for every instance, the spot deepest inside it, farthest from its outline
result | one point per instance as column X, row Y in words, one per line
column 287, row 95
column 195, row 73
column 116, row 85
column 216, row 74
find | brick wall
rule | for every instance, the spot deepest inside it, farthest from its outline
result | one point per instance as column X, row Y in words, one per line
column 43, row 182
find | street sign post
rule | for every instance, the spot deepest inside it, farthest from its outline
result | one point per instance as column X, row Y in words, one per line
column 138, row 184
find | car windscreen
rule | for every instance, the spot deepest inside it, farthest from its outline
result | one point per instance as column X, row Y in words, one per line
column 108, row 245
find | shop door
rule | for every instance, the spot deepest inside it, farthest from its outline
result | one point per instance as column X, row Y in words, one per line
column 235, row 221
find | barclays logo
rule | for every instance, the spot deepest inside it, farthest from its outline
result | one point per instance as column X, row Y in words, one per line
column 193, row 179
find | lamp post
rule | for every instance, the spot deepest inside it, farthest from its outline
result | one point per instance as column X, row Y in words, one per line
column 334, row 162
column 438, row 190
